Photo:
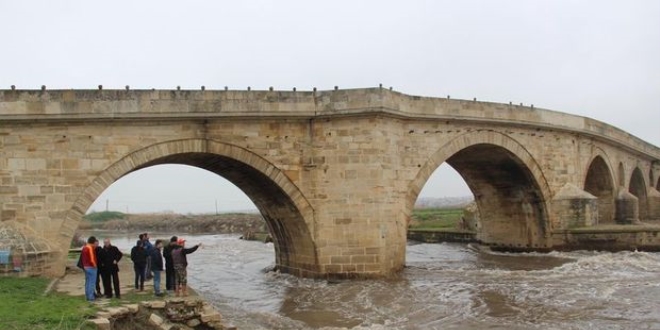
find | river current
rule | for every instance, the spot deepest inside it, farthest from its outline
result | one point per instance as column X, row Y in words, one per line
column 444, row 286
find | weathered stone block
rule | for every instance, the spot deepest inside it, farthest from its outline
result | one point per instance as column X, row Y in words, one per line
column 210, row 317
column 132, row 308
column 193, row 323
column 156, row 320
column 158, row 304
column 100, row 323
column 168, row 326
column 103, row 314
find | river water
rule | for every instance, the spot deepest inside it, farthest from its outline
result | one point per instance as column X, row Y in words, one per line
column 444, row 286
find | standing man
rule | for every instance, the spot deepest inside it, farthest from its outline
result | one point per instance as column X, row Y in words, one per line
column 148, row 247
column 157, row 266
column 90, row 265
column 97, row 252
column 180, row 264
column 169, row 265
column 139, row 257
column 109, row 268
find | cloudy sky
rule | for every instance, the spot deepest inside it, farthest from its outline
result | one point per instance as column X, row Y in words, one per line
column 599, row 59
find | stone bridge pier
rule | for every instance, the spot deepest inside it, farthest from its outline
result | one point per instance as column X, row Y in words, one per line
column 335, row 174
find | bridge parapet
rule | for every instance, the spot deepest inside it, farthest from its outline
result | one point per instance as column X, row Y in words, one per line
column 57, row 105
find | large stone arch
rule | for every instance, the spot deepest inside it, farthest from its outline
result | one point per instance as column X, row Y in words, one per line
column 637, row 187
column 599, row 181
column 508, row 184
column 288, row 214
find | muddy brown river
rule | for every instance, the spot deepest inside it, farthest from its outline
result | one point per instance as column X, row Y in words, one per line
column 444, row 286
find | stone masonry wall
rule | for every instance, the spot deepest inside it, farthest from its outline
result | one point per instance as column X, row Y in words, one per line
column 335, row 173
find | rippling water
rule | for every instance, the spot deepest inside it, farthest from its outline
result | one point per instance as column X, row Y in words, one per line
column 444, row 286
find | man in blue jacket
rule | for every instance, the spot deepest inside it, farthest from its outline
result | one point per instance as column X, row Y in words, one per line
column 157, row 265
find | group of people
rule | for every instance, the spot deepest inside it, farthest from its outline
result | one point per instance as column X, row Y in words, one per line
column 147, row 263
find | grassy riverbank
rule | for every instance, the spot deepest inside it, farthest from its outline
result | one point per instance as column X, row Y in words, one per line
column 23, row 305
column 436, row 218
column 226, row 223
column 231, row 223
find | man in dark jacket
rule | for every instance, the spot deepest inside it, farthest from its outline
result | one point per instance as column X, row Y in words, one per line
column 97, row 251
column 180, row 262
column 157, row 265
column 139, row 257
column 169, row 266
column 109, row 257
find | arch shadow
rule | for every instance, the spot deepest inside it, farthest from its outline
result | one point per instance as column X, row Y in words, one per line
column 637, row 187
column 508, row 184
column 599, row 181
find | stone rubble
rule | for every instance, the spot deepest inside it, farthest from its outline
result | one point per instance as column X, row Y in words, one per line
column 174, row 313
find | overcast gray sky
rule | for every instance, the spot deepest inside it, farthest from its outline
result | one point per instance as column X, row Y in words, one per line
column 599, row 59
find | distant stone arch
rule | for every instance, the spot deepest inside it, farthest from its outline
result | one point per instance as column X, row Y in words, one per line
column 599, row 182
column 288, row 214
column 637, row 187
column 508, row 184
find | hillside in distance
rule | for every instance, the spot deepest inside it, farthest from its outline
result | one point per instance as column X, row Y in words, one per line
column 443, row 202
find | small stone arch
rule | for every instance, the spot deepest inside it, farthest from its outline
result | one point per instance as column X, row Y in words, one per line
column 599, row 182
column 637, row 187
column 288, row 214
column 530, row 226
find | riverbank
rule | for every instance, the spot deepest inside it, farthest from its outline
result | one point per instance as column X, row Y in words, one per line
column 609, row 237
column 226, row 223
column 40, row 303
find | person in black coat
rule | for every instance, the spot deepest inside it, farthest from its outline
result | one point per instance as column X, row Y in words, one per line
column 108, row 258
column 97, row 252
column 157, row 265
column 139, row 257
column 169, row 265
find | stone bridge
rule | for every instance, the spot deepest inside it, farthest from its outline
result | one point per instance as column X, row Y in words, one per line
column 334, row 173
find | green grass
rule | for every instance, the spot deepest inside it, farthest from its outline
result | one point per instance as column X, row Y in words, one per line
column 23, row 305
column 104, row 216
column 426, row 219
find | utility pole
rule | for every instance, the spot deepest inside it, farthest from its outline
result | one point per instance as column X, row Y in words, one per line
column 216, row 207
column 107, row 202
